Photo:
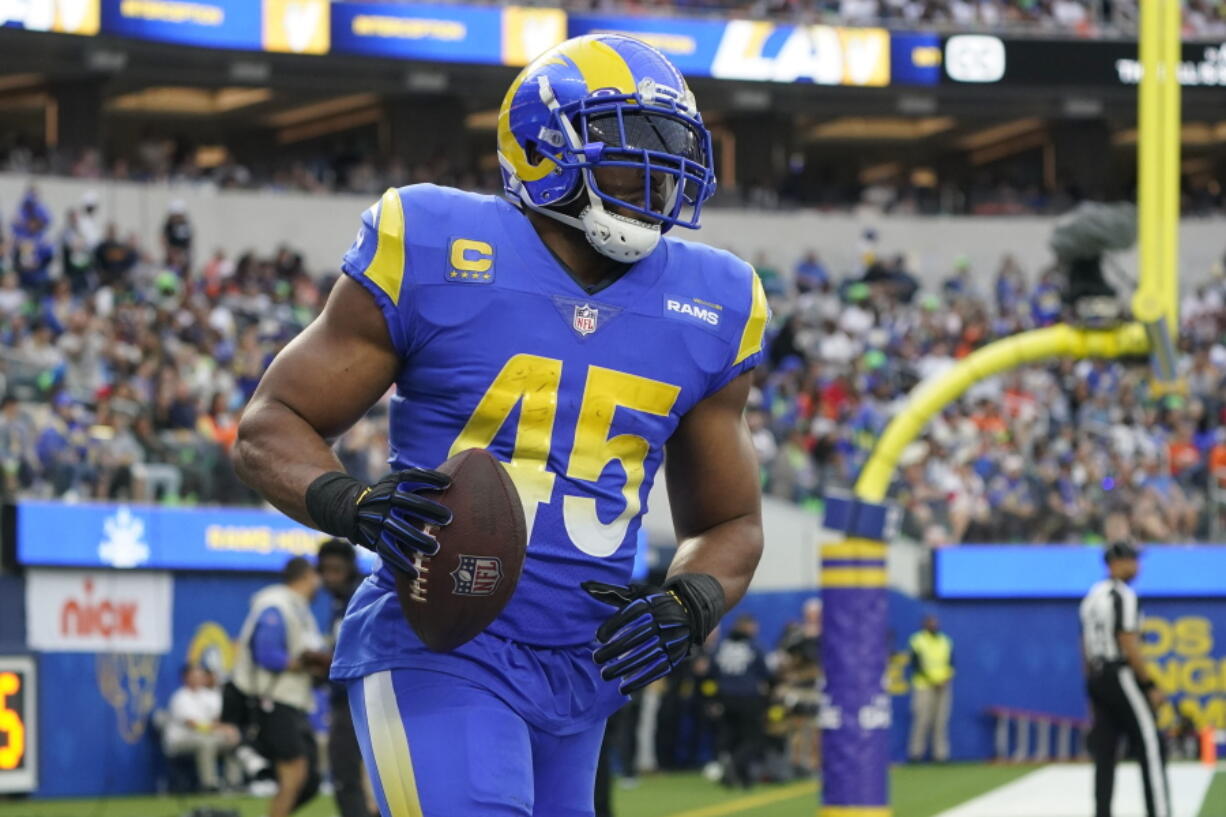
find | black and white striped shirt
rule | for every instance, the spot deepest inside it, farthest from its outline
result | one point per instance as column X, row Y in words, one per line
column 1108, row 609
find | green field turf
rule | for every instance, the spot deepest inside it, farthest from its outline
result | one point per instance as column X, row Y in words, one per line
column 1215, row 798
column 921, row 791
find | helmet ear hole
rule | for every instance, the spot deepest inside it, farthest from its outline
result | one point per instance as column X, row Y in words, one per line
column 532, row 153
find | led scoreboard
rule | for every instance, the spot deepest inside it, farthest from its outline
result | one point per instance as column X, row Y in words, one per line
column 18, row 729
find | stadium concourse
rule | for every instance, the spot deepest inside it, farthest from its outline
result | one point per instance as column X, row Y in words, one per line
column 125, row 367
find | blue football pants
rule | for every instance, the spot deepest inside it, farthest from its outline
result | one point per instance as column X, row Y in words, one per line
column 436, row 745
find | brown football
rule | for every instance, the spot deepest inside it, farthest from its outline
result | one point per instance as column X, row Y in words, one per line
column 481, row 554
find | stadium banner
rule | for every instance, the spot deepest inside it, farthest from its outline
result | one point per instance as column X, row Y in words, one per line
column 206, row 23
column 61, row 16
column 18, row 724
column 100, row 737
column 53, row 534
column 98, row 611
column 1027, row 571
column 446, row 33
column 690, row 44
column 983, row 59
column 759, row 51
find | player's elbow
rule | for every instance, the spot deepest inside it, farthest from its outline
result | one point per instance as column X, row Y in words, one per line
column 755, row 547
column 250, row 441
column 750, row 541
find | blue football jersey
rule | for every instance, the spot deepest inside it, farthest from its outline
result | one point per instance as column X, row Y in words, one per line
column 575, row 393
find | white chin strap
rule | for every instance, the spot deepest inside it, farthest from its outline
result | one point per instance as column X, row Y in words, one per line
column 619, row 237
column 622, row 238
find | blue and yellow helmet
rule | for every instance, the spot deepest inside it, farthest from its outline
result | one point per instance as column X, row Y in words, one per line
column 606, row 101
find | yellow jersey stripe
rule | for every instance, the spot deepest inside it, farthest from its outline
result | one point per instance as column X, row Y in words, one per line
column 391, row 746
column 853, row 577
column 751, row 335
column 854, row 811
column 854, row 549
column 387, row 267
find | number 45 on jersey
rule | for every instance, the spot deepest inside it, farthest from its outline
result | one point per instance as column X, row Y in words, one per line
column 532, row 383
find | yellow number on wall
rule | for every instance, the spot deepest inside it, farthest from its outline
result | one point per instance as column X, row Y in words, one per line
column 606, row 390
column 532, row 383
column 10, row 724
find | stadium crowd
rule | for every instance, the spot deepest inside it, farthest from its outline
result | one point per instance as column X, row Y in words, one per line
column 1067, row 452
column 124, row 369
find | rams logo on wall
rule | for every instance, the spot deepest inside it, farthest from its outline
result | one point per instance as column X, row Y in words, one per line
column 128, row 683
column 212, row 648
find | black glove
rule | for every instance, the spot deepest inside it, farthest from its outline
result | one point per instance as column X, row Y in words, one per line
column 387, row 517
column 654, row 627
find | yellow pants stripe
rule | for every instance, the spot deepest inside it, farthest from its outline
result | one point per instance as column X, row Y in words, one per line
column 854, row 811
column 391, row 746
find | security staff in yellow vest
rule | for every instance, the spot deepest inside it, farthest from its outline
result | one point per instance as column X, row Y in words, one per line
column 932, row 664
column 279, row 650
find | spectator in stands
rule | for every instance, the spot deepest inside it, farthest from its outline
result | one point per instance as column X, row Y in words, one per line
column 87, row 220
column 118, row 455
column 743, row 682
column 114, row 258
column 76, row 254
column 811, row 273
column 175, row 408
column 81, row 348
column 278, row 654
column 32, row 252
column 17, row 458
column 1013, row 498
column 219, row 424
column 932, row 672
column 177, row 238
column 194, row 727
column 287, row 263
column 13, row 299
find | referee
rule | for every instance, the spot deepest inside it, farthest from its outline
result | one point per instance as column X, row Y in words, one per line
column 1121, row 691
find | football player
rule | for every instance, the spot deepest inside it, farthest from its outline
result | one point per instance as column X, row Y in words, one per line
column 559, row 329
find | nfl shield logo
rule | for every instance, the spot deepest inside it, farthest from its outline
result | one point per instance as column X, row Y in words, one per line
column 585, row 319
column 476, row 575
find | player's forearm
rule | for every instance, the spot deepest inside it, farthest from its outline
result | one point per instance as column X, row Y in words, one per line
column 279, row 455
column 729, row 551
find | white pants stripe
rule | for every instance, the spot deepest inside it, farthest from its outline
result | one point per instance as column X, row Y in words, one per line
column 1151, row 755
column 390, row 744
